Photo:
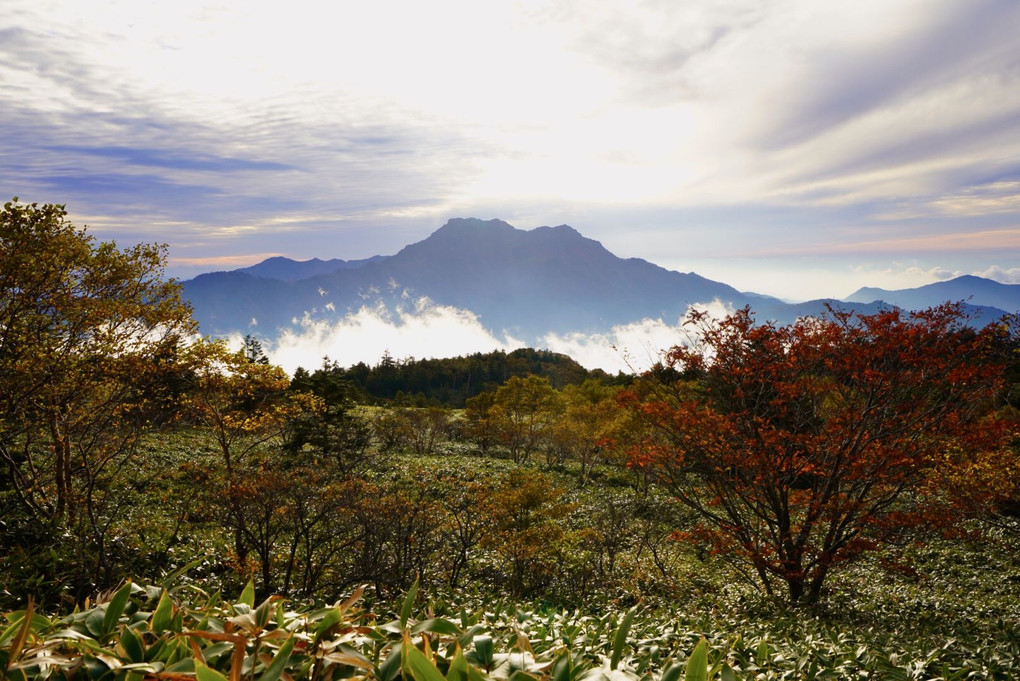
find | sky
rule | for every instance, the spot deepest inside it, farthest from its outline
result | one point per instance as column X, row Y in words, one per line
column 797, row 148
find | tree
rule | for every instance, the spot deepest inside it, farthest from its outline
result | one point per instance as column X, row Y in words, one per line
column 253, row 350
column 329, row 430
column 527, row 528
column 90, row 345
column 589, row 426
column 426, row 428
column 801, row 447
column 522, row 412
column 248, row 407
column 479, row 425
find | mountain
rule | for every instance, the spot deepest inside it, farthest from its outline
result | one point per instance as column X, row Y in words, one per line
column 975, row 290
column 285, row 269
column 985, row 300
column 522, row 283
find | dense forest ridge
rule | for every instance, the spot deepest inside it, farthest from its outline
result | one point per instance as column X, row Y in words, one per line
column 450, row 382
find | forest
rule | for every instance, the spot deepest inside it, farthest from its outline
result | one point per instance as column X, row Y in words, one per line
column 833, row 498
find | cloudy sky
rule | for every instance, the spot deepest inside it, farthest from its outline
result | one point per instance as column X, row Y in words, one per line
column 792, row 147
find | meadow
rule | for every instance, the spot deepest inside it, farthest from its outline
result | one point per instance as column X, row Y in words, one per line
column 542, row 599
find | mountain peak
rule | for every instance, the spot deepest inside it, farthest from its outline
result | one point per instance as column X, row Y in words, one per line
column 473, row 226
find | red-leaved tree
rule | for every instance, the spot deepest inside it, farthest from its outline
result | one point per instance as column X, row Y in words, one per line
column 801, row 447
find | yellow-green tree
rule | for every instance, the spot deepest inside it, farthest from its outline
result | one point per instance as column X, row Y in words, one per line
column 90, row 341
column 591, row 423
column 523, row 412
column 527, row 513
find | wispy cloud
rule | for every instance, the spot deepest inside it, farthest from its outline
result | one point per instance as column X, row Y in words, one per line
column 1004, row 275
column 223, row 261
column 631, row 347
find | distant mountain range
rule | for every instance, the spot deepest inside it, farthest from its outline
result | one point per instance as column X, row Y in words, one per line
column 522, row 283
column 990, row 297
column 285, row 269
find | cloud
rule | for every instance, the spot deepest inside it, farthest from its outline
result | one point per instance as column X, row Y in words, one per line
column 631, row 347
column 1003, row 275
column 423, row 330
column 164, row 158
column 222, row 261
column 97, row 112
column 905, row 243
column 854, row 78
column 426, row 330
column 993, row 198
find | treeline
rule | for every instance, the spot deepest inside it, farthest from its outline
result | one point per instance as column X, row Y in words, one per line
column 450, row 382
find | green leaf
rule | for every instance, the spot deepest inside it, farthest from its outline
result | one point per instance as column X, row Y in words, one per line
column 94, row 621
column 21, row 634
column 172, row 577
column 248, row 595
column 437, row 625
column 697, row 665
column 483, row 651
column 264, row 611
column 115, row 608
column 390, row 667
column 563, row 667
column 203, row 673
column 458, row 670
column 727, row 673
column 405, row 611
column 328, row 621
column 620, row 639
column 419, row 666
column 164, row 615
column 132, row 645
column 762, row 656
column 279, row 663
column 475, row 675
column 521, row 675
column 672, row 673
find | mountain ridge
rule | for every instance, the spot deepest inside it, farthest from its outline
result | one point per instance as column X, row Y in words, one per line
column 524, row 284
column 975, row 290
column 285, row 269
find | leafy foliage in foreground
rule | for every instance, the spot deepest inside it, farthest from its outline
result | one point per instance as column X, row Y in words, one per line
column 179, row 633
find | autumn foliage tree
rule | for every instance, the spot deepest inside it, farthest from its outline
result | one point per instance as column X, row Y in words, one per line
column 523, row 412
column 590, row 425
column 247, row 406
column 802, row 447
column 90, row 341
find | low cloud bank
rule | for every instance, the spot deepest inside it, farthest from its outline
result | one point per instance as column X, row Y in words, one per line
column 426, row 330
column 630, row 347
column 422, row 331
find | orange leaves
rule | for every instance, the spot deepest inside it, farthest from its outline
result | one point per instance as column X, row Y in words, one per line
column 798, row 442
